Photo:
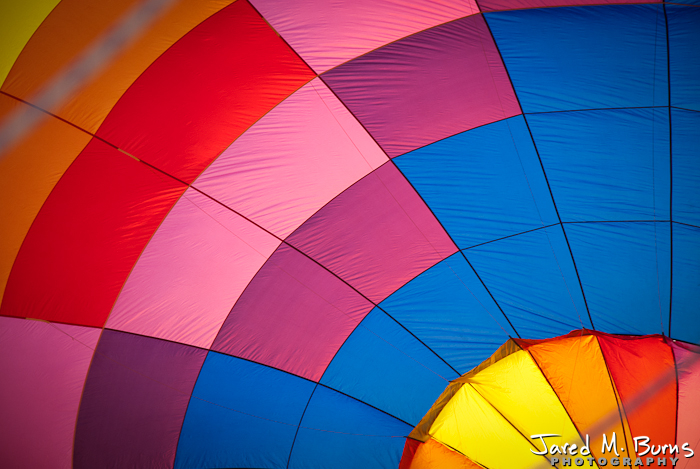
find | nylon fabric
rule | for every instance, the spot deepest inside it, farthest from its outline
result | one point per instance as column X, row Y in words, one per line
column 186, row 298
column 686, row 282
column 471, row 425
column 28, row 173
column 288, row 301
column 87, row 237
column 606, row 165
column 683, row 34
column 635, row 366
column 622, row 268
column 297, row 158
column 452, row 72
column 234, row 68
column 482, row 184
column 576, row 370
column 400, row 236
column 686, row 166
column 19, row 21
column 432, row 454
column 545, row 305
column 562, row 58
column 338, row 431
column 327, row 34
column 241, row 414
column 465, row 323
column 144, row 400
column 383, row 365
column 688, row 427
column 516, row 388
column 38, row 428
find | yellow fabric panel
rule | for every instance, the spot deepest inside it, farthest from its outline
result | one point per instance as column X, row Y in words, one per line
column 473, row 427
column 576, row 370
column 18, row 21
column 434, row 455
column 28, row 173
column 516, row 387
column 421, row 431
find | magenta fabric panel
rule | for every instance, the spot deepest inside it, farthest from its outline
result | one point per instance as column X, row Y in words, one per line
column 293, row 161
column 327, row 34
column 191, row 273
column 134, row 403
column 42, row 369
column 688, row 367
column 499, row 5
column 293, row 316
column 428, row 86
column 377, row 235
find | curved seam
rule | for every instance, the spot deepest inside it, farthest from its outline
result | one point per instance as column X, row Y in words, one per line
column 534, row 144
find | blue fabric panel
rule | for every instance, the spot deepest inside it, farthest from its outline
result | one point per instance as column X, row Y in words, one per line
column 387, row 367
column 482, row 184
column 625, row 271
column 686, row 166
column 684, row 37
column 450, row 311
column 584, row 57
column 539, row 292
column 686, row 283
column 340, row 432
column 610, row 165
column 241, row 415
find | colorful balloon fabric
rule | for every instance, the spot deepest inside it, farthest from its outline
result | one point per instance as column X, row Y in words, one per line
column 269, row 234
column 608, row 397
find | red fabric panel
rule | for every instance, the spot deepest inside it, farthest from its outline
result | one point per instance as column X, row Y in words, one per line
column 204, row 92
column 644, row 368
column 377, row 235
column 409, row 451
column 87, row 237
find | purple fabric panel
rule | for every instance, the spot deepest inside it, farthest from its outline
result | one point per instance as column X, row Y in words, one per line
column 293, row 316
column 428, row 86
column 377, row 235
column 134, row 402
column 326, row 33
column 42, row 372
column 499, row 5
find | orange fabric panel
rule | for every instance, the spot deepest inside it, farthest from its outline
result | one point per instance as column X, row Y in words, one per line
column 89, row 106
column 575, row 368
column 28, row 173
column 67, row 31
column 434, row 455
column 635, row 365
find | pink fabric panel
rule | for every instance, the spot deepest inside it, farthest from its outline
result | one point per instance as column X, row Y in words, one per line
column 42, row 369
column 499, row 5
column 288, row 165
column 688, row 365
column 428, row 86
column 191, row 273
column 327, row 34
column 377, row 235
column 294, row 316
